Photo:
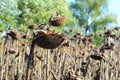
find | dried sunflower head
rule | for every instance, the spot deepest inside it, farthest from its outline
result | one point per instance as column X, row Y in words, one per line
column 13, row 34
column 1, row 30
column 116, row 28
column 12, row 51
column 57, row 20
column 48, row 40
column 32, row 26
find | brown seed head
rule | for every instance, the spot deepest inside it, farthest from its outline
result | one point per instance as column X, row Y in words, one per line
column 105, row 28
column 49, row 40
column 70, row 30
column 57, row 20
column 12, row 51
column 113, row 35
column 13, row 34
column 1, row 30
column 108, row 32
column 78, row 33
column 32, row 26
column 117, row 28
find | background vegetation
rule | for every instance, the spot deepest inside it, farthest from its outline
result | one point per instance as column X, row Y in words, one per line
column 85, row 16
column 72, row 56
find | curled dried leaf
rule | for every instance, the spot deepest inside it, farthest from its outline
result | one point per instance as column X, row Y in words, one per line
column 96, row 57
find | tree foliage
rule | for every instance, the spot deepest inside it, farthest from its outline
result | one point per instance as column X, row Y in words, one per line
column 8, row 13
column 20, row 13
column 92, row 14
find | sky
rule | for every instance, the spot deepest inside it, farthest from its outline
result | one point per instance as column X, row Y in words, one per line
column 114, row 8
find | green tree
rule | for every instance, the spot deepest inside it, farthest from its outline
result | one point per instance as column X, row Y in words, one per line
column 92, row 14
column 8, row 13
column 20, row 13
